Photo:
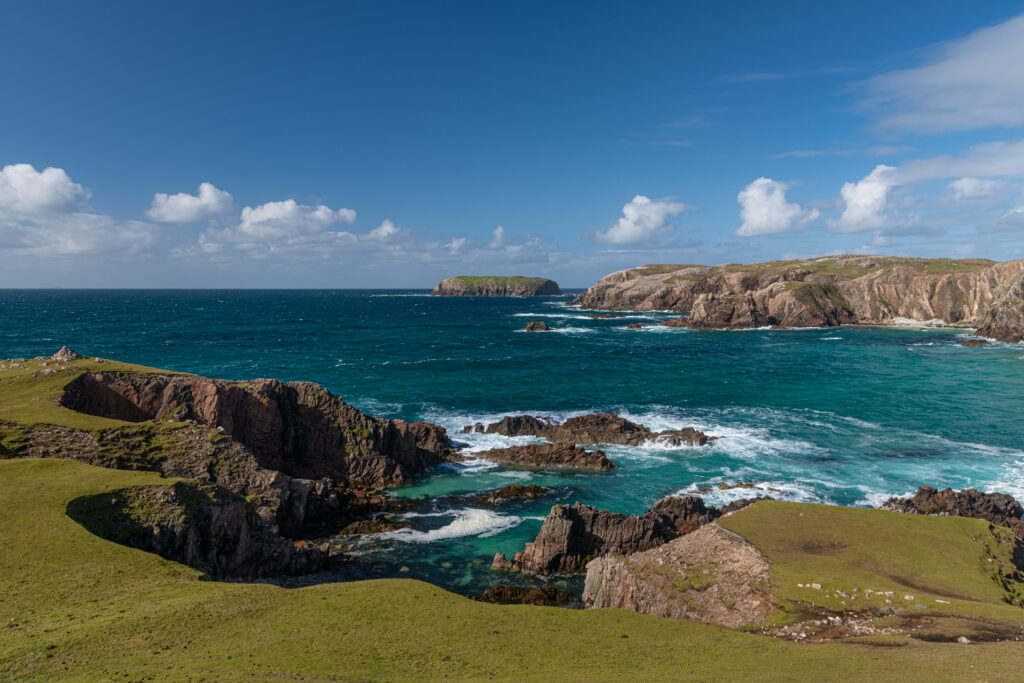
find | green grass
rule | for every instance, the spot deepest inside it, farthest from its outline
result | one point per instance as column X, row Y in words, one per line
column 76, row 607
column 500, row 280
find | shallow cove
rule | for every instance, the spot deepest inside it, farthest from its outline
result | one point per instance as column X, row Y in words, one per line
column 842, row 415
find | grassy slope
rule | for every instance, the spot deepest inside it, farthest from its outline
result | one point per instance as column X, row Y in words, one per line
column 500, row 280
column 73, row 605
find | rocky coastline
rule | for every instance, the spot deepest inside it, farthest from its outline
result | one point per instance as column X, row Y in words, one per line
column 822, row 292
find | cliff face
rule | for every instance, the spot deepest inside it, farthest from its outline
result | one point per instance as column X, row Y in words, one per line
column 826, row 291
column 710, row 575
column 467, row 285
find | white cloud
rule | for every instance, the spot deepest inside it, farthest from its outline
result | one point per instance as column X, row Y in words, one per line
column 209, row 203
column 642, row 220
column 969, row 83
column 973, row 188
column 25, row 190
column 38, row 217
column 456, row 244
column 865, row 201
column 765, row 211
column 499, row 239
column 282, row 228
column 383, row 231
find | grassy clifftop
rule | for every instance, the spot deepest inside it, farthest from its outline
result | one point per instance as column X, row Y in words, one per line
column 496, row 285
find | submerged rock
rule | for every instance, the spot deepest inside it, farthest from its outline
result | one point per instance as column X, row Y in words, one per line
column 573, row 535
column 512, row 492
column 537, row 326
column 999, row 508
column 971, row 343
column 595, row 429
column 522, row 595
column 565, row 454
column 711, row 575
column 635, row 326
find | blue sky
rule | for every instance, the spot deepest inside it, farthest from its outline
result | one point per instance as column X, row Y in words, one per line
column 392, row 144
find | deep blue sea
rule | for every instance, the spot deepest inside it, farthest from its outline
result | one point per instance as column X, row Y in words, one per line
column 842, row 415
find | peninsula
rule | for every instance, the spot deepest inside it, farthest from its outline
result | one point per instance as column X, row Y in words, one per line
column 496, row 285
column 821, row 292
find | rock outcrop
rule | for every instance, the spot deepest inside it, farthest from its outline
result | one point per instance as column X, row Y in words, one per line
column 537, row 326
column 495, row 285
column 711, row 575
column 207, row 528
column 573, row 535
column 523, row 595
column 597, row 428
column 512, row 492
column 66, row 353
column 298, row 428
column 831, row 290
column 562, row 455
column 974, row 343
column 999, row 508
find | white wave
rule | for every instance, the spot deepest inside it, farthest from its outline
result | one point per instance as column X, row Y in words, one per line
column 830, row 338
column 786, row 491
column 549, row 315
column 466, row 522
column 910, row 322
column 389, row 295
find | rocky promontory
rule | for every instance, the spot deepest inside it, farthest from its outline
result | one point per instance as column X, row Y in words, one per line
column 999, row 508
column 571, row 536
column 596, row 428
column 496, row 285
column 826, row 291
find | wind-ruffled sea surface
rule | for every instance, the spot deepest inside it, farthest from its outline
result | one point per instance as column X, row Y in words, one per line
column 845, row 415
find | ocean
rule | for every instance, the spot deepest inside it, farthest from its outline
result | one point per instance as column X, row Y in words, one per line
column 845, row 415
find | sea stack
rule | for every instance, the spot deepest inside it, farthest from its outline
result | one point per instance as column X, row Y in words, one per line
column 495, row 285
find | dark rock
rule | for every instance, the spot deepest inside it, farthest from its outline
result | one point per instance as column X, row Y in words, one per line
column 740, row 504
column 635, row 326
column 594, row 429
column 522, row 595
column 674, row 322
column 997, row 508
column 572, row 536
column 537, row 326
column 515, row 491
column 605, row 316
column 971, row 343
column 562, row 454
column 67, row 354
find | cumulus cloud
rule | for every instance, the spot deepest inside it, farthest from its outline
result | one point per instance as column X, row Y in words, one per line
column 642, row 220
column 765, row 211
column 383, row 231
column 39, row 217
column 969, row 83
column 208, row 203
column 285, row 227
column 974, row 188
column 865, row 201
column 25, row 190
column 499, row 239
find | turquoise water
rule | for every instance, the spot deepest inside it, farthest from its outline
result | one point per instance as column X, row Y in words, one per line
column 841, row 415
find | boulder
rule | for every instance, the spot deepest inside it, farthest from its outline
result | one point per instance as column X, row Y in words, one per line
column 562, row 454
column 537, row 326
column 711, row 575
column 634, row 326
column 972, row 343
column 573, row 535
column 66, row 353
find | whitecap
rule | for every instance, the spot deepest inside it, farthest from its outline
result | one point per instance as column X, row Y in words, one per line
column 467, row 522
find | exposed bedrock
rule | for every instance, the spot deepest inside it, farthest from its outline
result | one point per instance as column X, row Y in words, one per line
column 563, row 455
column 598, row 428
column 825, row 291
column 298, row 428
column 537, row 326
column 207, row 528
column 497, row 285
column 999, row 508
column 573, row 535
column 711, row 575
column 522, row 595
column 511, row 492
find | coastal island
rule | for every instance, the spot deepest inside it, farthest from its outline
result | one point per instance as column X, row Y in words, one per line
column 496, row 285
column 826, row 291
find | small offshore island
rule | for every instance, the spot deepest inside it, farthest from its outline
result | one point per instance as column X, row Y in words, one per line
column 496, row 285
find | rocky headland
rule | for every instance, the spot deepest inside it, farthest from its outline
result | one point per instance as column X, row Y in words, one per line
column 496, row 285
column 821, row 292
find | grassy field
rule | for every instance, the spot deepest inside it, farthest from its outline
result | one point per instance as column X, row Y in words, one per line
column 74, row 606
